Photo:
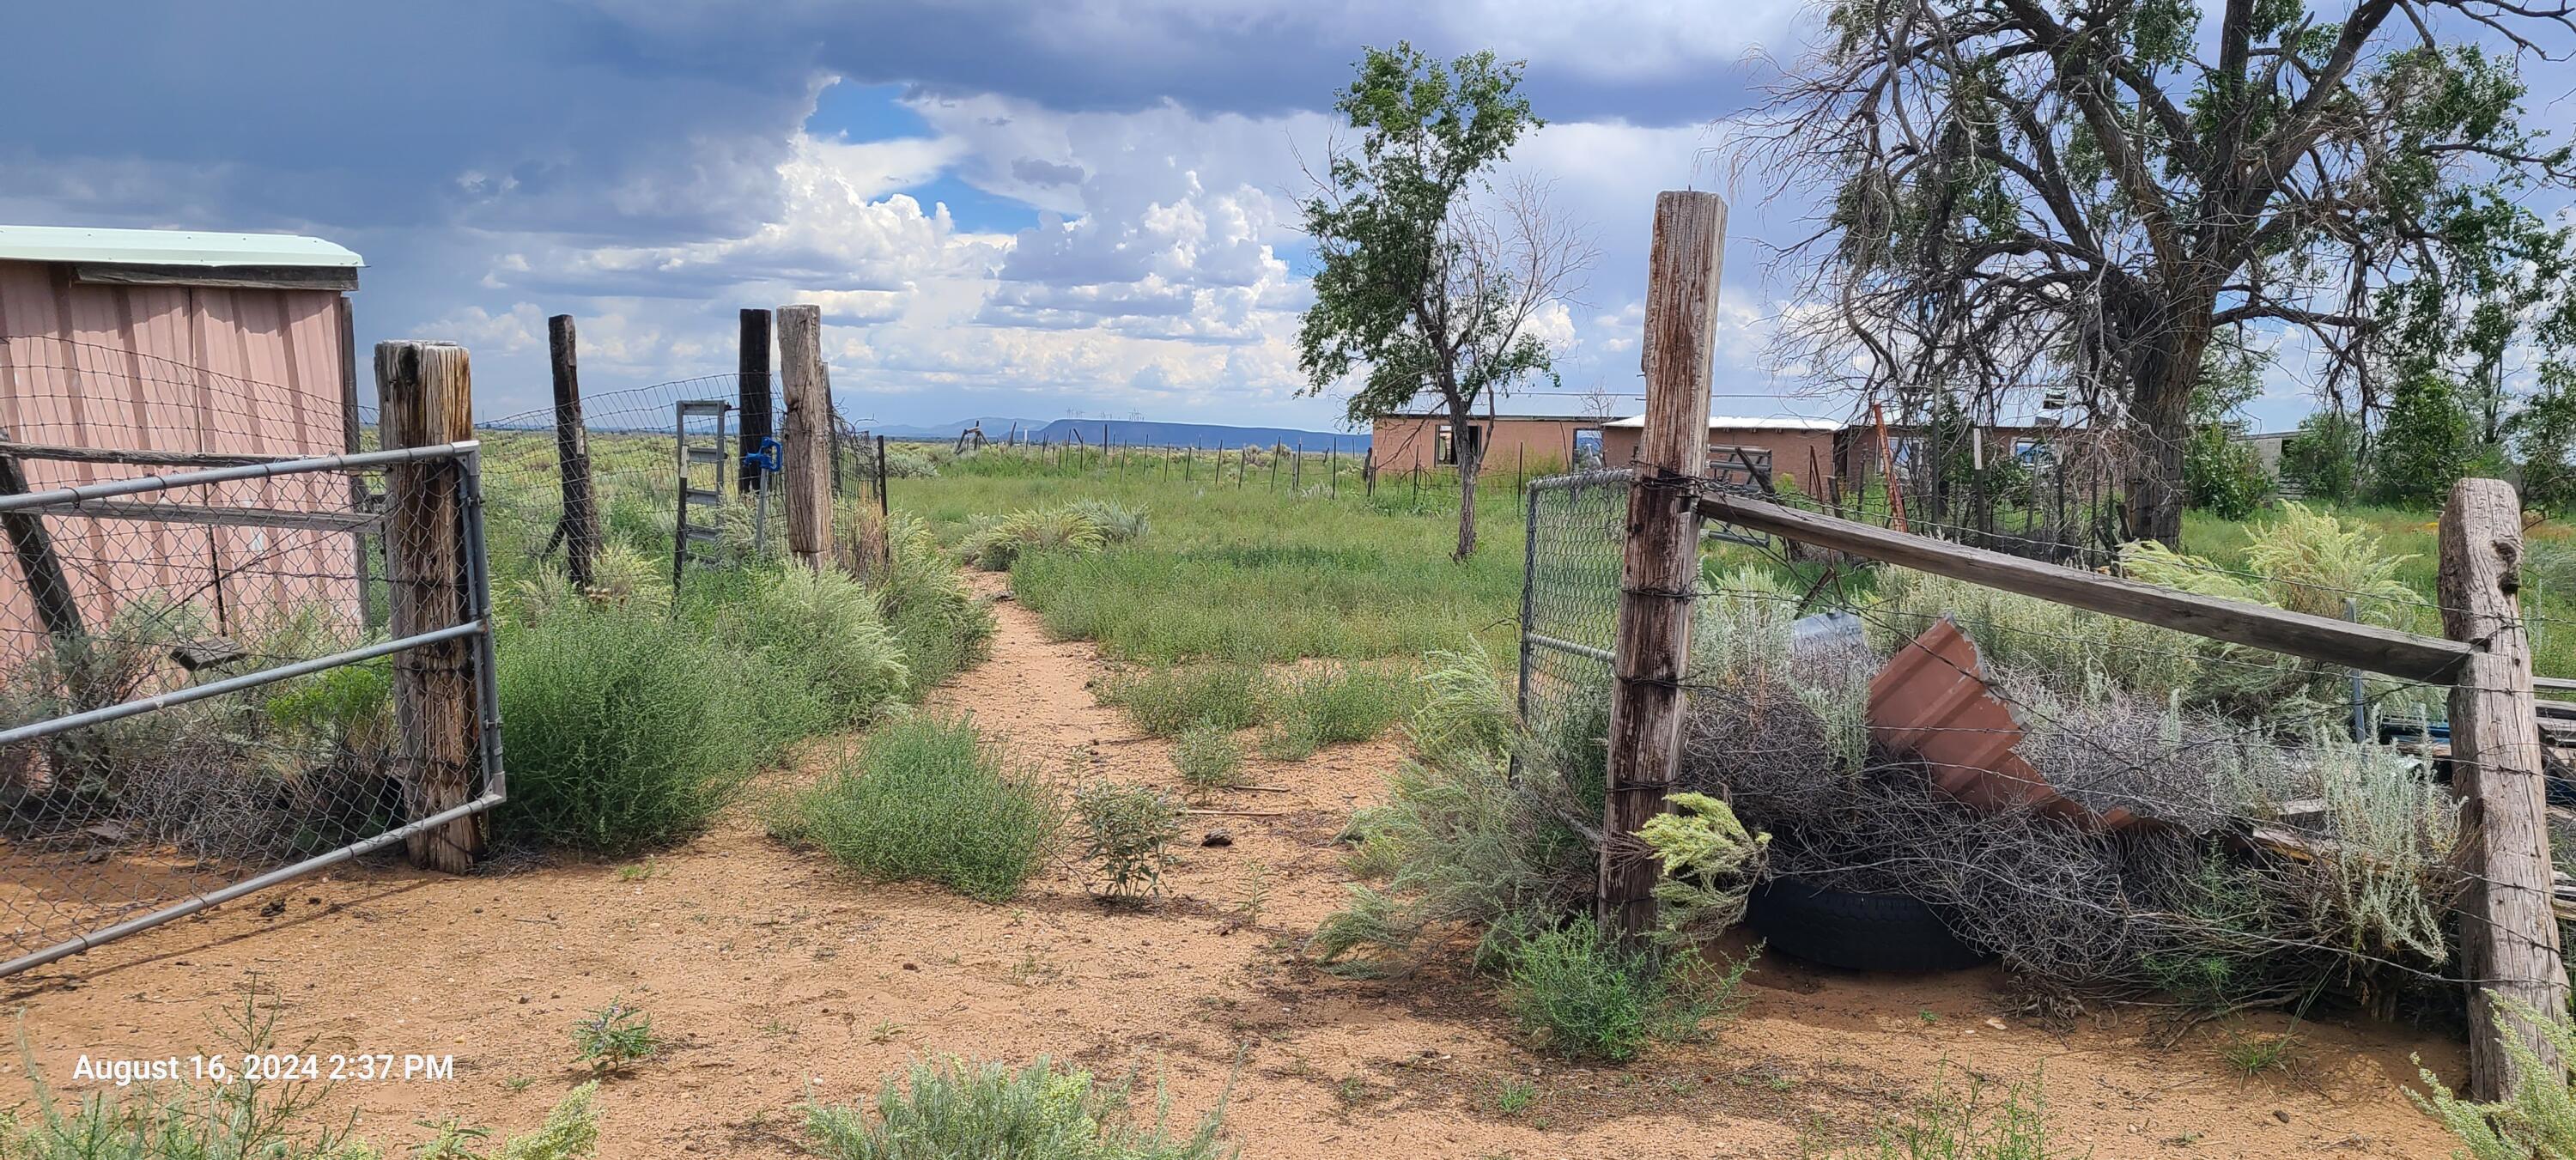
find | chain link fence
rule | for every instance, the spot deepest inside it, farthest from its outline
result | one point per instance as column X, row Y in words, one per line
column 1576, row 535
column 210, row 687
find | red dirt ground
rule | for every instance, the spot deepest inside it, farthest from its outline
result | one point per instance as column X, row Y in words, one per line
column 776, row 977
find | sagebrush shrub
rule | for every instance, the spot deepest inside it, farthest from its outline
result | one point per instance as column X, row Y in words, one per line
column 2537, row 1121
column 929, row 799
column 955, row 1109
column 939, row 622
column 833, row 629
column 1127, row 833
column 629, row 728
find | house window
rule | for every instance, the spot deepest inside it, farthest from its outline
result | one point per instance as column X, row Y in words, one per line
column 1445, row 447
column 1587, row 447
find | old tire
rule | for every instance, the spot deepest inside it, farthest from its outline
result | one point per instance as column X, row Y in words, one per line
column 1855, row 931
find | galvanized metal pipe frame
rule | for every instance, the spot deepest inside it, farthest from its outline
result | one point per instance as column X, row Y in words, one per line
column 478, row 624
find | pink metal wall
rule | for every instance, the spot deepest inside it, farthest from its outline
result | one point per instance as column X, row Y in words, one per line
column 177, row 368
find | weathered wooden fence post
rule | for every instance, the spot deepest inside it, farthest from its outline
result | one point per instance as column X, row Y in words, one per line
column 580, row 530
column 751, row 365
column 1659, row 574
column 2509, row 935
column 426, row 390
column 808, row 455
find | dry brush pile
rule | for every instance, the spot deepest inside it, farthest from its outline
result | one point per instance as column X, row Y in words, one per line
column 2277, row 857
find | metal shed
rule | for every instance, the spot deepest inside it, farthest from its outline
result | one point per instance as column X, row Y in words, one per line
column 171, row 341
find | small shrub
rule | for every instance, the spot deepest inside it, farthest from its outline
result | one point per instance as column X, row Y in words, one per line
column 995, row 544
column 1208, row 757
column 1515, row 1096
column 1127, row 833
column 937, row 620
column 833, row 630
column 1578, row 993
column 1459, row 841
column 614, row 1038
column 1169, row 702
column 928, row 799
column 1951, row 1123
column 1332, row 706
column 629, row 729
column 1118, row 523
column 2537, row 1121
column 1709, row 864
column 956, row 1109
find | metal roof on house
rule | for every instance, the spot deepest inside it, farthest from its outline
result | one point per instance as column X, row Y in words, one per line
column 170, row 248
column 1744, row 423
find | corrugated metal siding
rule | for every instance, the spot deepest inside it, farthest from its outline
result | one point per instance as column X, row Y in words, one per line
column 175, row 368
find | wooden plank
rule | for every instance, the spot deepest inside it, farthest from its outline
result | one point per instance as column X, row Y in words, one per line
column 342, row 278
column 427, row 392
column 805, row 447
column 2509, row 936
column 215, row 515
column 38, row 566
column 123, row 455
column 2404, row 655
column 1660, row 566
column 580, row 529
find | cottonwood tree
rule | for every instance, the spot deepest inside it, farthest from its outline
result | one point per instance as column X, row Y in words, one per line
column 2080, row 195
column 1429, row 278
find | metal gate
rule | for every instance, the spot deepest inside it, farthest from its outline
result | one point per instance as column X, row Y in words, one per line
column 206, row 708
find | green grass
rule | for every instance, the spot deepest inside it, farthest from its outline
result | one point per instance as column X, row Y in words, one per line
column 930, row 799
column 1952, row 1121
column 1208, row 757
column 1581, row 995
column 629, row 729
column 1244, row 573
column 955, row 1109
column 1333, row 705
column 1167, row 702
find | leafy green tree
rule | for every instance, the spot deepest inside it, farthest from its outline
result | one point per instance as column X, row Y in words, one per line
column 1428, row 278
column 2427, row 442
column 2544, row 434
column 2220, row 475
column 2324, row 457
column 2045, row 195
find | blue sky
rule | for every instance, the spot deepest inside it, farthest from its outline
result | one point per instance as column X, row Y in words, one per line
column 1079, row 207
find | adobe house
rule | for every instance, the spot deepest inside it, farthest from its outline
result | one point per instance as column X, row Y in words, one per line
column 173, row 341
column 1539, row 444
column 1795, row 448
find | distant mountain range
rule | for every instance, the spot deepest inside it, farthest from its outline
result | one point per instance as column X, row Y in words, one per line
column 1134, row 432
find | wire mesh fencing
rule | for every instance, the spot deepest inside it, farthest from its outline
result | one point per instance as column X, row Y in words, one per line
column 211, row 681
column 2111, row 808
column 1575, row 539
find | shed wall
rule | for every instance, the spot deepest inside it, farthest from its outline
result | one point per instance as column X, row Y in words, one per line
column 177, row 368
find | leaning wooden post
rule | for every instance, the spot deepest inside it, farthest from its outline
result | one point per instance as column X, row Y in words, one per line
column 580, row 529
column 2509, row 937
column 1660, row 570
column 751, row 365
column 804, row 447
column 427, row 392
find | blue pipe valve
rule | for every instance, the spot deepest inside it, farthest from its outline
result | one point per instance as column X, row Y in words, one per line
column 763, row 458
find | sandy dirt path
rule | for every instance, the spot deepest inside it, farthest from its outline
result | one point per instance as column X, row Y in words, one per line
column 777, row 977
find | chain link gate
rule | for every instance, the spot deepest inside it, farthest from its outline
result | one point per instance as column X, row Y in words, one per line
column 1576, row 534
column 209, row 704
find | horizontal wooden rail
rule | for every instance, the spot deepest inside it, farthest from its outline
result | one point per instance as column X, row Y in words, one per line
column 62, row 454
column 2404, row 655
